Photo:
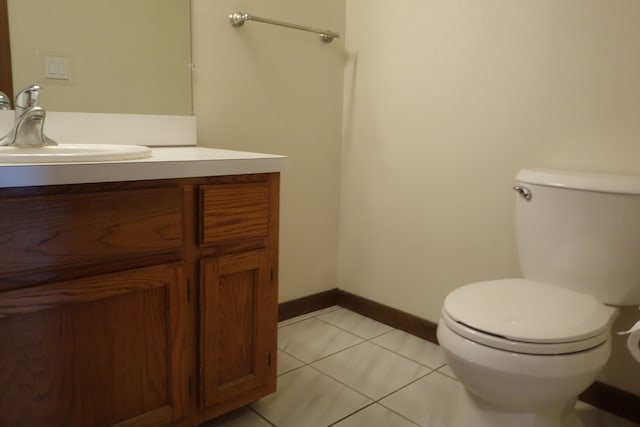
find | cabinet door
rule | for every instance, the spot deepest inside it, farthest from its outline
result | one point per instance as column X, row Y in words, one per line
column 99, row 351
column 238, row 330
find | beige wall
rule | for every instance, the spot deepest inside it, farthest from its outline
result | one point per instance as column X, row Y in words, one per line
column 269, row 89
column 124, row 56
column 444, row 101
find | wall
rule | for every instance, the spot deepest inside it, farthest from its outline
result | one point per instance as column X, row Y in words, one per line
column 132, row 57
column 270, row 89
column 443, row 102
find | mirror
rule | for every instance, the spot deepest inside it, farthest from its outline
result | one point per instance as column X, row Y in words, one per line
column 115, row 56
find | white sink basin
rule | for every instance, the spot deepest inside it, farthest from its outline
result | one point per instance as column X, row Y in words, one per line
column 71, row 153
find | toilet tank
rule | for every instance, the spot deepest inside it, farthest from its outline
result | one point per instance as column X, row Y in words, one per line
column 581, row 231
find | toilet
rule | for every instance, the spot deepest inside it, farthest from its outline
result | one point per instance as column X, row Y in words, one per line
column 525, row 348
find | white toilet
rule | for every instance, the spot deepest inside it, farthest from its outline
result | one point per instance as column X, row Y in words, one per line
column 524, row 349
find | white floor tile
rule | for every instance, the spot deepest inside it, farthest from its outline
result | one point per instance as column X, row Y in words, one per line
column 430, row 401
column 371, row 370
column 326, row 310
column 313, row 339
column 294, row 320
column 287, row 363
column 243, row 417
column 447, row 371
column 375, row 416
column 412, row 347
column 308, row 315
column 355, row 323
column 308, row 398
column 593, row 417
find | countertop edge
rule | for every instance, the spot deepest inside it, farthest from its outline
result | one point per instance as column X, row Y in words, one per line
column 192, row 162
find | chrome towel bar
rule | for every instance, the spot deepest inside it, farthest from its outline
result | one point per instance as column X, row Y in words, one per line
column 238, row 19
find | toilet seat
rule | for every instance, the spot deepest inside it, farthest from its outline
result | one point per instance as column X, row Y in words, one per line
column 527, row 317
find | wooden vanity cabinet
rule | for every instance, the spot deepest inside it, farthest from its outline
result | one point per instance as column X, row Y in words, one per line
column 150, row 303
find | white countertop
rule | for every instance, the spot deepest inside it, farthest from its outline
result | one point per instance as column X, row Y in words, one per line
column 166, row 162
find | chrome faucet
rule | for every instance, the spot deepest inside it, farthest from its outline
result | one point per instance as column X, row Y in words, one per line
column 5, row 103
column 28, row 127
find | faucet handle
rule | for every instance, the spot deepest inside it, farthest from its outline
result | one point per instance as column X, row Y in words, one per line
column 27, row 97
column 5, row 103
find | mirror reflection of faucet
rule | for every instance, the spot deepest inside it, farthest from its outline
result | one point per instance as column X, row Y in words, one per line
column 5, row 103
column 28, row 126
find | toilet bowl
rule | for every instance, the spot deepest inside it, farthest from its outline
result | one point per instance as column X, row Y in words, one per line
column 525, row 348
column 540, row 357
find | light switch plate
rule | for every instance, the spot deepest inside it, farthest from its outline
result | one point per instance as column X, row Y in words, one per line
column 56, row 67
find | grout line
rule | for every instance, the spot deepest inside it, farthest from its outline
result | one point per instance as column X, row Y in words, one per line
column 336, row 352
column 293, row 323
column 343, row 329
column 372, row 404
column 353, row 413
column 340, row 382
column 405, row 386
column 399, row 414
column 294, row 369
column 311, row 315
column 350, row 331
column 444, row 373
column 407, row 357
column 410, row 359
column 261, row 416
column 291, row 355
column 291, row 370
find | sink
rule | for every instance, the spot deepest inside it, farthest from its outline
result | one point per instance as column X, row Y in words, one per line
column 71, row 153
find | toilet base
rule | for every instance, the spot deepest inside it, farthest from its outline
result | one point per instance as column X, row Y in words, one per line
column 472, row 411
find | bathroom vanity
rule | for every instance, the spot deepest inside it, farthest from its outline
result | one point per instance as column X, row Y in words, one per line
column 138, row 293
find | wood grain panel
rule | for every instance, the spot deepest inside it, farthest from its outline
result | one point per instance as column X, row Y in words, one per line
column 90, row 357
column 239, row 291
column 238, row 332
column 231, row 212
column 41, row 233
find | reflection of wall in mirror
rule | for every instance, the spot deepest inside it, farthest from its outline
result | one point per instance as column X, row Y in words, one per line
column 119, row 56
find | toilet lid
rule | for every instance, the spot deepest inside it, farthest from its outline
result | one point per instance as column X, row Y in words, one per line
column 524, row 311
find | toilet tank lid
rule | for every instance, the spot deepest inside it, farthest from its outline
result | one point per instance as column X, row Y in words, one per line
column 605, row 183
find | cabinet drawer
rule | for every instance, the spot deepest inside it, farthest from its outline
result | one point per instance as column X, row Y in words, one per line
column 233, row 212
column 47, row 232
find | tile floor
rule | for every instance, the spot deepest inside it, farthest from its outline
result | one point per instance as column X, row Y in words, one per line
column 338, row 368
